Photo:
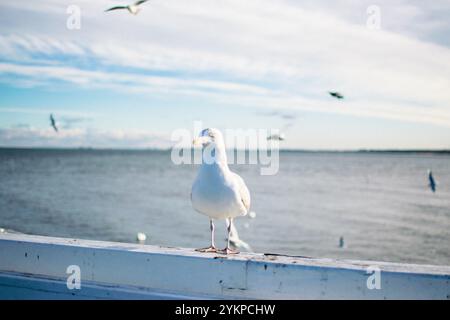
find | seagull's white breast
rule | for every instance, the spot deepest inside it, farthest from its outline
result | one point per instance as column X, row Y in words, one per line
column 215, row 193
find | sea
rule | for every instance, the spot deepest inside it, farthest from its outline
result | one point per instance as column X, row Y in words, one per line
column 346, row 205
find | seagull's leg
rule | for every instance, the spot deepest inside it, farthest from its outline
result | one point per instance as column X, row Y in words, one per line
column 228, row 250
column 212, row 248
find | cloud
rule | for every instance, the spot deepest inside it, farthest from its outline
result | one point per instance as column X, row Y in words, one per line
column 267, row 54
column 70, row 122
column 128, row 82
column 26, row 136
column 279, row 114
column 289, row 119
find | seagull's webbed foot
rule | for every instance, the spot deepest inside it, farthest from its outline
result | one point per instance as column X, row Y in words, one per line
column 209, row 249
column 228, row 251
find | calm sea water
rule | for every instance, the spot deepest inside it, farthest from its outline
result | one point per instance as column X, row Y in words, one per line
column 380, row 203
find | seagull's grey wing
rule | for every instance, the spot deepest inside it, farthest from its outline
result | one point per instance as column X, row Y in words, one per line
column 116, row 8
column 243, row 192
column 139, row 2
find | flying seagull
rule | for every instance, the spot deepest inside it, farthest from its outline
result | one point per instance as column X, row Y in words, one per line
column 335, row 94
column 53, row 123
column 132, row 8
column 218, row 192
column 341, row 242
column 279, row 137
column 432, row 183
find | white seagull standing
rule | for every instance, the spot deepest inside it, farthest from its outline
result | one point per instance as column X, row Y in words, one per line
column 217, row 192
column 132, row 8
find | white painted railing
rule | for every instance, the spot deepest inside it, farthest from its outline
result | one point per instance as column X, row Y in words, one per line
column 36, row 267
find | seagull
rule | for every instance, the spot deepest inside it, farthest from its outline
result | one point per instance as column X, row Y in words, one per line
column 432, row 183
column 132, row 8
column 53, row 123
column 235, row 241
column 217, row 192
column 279, row 137
column 337, row 95
column 341, row 242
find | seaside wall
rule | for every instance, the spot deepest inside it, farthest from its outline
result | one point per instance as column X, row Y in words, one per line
column 39, row 267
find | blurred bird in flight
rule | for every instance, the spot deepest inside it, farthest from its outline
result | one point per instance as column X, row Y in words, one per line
column 335, row 94
column 341, row 242
column 132, row 8
column 279, row 137
column 53, row 123
column 432, row 182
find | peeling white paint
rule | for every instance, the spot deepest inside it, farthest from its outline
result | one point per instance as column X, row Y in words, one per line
column 35, row 267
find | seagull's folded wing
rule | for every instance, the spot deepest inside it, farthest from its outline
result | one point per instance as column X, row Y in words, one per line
column 243, row 192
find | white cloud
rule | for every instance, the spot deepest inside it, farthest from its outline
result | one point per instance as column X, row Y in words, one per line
column 44, row 111
column 127, row 82
column 22, row 136
column 255, row 53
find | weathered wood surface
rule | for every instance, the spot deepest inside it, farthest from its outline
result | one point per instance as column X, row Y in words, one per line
column 35, row 267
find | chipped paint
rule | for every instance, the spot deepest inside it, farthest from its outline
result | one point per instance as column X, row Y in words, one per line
column 34, row 266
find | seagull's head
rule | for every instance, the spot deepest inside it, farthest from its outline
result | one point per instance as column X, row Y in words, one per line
column 208, row 136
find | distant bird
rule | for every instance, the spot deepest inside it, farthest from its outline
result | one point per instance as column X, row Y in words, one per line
column 141, row 237
column 217, row 192
column 235, row 241
column 132, row 8
column 432, row 182
column 335, row 94
column 279, row 137
column 53, row 122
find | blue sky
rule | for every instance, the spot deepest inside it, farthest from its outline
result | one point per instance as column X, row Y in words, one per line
column 130, row 81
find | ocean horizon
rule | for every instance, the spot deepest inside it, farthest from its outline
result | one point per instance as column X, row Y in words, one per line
column 356, row 150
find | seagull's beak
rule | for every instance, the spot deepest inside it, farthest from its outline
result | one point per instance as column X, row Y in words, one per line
column 200, row 141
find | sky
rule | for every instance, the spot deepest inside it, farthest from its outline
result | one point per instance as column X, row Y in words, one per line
column 125, row 81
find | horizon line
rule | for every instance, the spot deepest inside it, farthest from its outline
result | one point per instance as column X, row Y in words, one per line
column 306, row 150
